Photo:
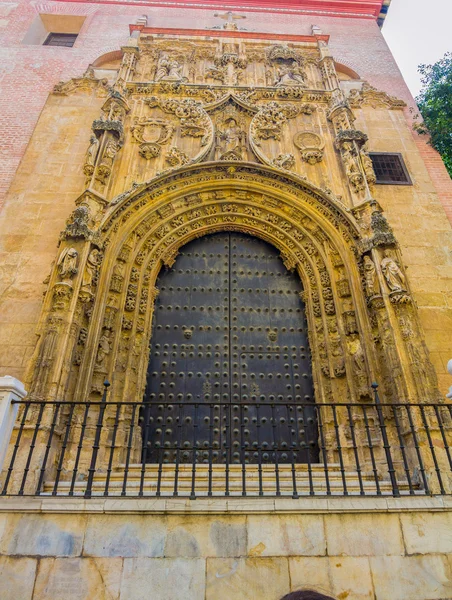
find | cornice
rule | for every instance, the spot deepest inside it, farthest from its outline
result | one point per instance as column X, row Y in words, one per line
column 367, row 9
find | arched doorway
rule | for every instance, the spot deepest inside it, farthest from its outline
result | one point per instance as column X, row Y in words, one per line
column 229, row 372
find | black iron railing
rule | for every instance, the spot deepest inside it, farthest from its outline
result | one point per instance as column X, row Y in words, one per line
column 261, row 448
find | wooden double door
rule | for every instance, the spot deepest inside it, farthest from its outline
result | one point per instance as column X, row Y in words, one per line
column 229, row 374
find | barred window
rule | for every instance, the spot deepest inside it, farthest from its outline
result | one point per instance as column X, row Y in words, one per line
column 61, row 39
column 390, row 168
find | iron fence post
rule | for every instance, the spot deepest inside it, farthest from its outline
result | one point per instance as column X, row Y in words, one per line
column 92, row 468
column 391, row 470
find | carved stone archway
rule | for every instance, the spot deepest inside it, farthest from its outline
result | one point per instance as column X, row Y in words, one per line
column 97, row 317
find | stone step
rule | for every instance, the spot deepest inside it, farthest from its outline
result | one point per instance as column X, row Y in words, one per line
column 218, row 484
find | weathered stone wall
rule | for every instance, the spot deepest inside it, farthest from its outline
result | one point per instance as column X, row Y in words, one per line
column 379, row 549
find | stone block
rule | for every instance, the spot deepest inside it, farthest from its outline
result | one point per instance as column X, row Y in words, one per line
column 368, row 535
column 17, row 578
column 43, row 535
column 351, row 579
column 310, row 573
column 163, row 579
column 426, row 533
column 124, row 536
column 419, row 577
column 78, row 579
column 247, row 578
column 287, row 535
column 195, row 536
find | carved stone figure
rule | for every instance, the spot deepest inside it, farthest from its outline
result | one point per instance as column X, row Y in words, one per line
column 368, row 167
column 91, row 155
column 90, row 269
column 395, row 279
column 371, row 278
column 109, row 153
column 230, row 143
column 359, row 364
column 169, row 70
column 103, row 351
column 289, row 75
column 67, row 263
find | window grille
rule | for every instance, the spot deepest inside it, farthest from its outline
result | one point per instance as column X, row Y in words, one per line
column 61, row 39
column 390, row 168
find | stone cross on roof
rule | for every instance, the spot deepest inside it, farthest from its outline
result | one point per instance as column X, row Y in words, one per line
column 230, row 17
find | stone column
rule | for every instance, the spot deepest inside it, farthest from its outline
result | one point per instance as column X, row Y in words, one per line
column 10, row 389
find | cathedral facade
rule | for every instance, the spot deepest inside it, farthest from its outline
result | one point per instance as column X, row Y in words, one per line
column 236, row 363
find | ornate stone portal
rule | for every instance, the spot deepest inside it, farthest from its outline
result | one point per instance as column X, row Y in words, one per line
column 172, row 159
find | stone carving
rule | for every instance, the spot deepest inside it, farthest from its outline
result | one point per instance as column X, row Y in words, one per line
column 194, row 121
column 284, row 161
column 230, row 140
column 89, row 275
column 369, row 95
column 368, row 167
column 229, row 63
column 176, row 158
column 352, row 168
column 395, row 279
column 91, row 155
column 152, row 134
column 168, row 70
column 230, row 19
column 310, row 145
column 267, row 124
column 77, row 226
column 290, row 75
column 103, row 171
column 67, row 264
column 359, row 364
column 382, row 232
column 102, row 352
column 372, row 284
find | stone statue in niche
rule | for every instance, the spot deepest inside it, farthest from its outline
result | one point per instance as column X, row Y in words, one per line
column 91, row 155
column 168, row 70
column 102, row 352
column 359, row 364
column 371, row 278
column 230, row 142
column 395, row 279
column 109, row 154
column 92, row 263
column 290, row 75
column 67, row 263
column 368, row 167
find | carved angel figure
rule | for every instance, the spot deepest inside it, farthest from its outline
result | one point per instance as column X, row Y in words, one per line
column 290, row 75
column 371, row 279
column 67, row 263
column 393, row 275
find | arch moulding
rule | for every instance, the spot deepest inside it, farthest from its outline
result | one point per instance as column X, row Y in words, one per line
column 97, row 314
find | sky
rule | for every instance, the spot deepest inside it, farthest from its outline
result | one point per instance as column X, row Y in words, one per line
column 418, row 31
